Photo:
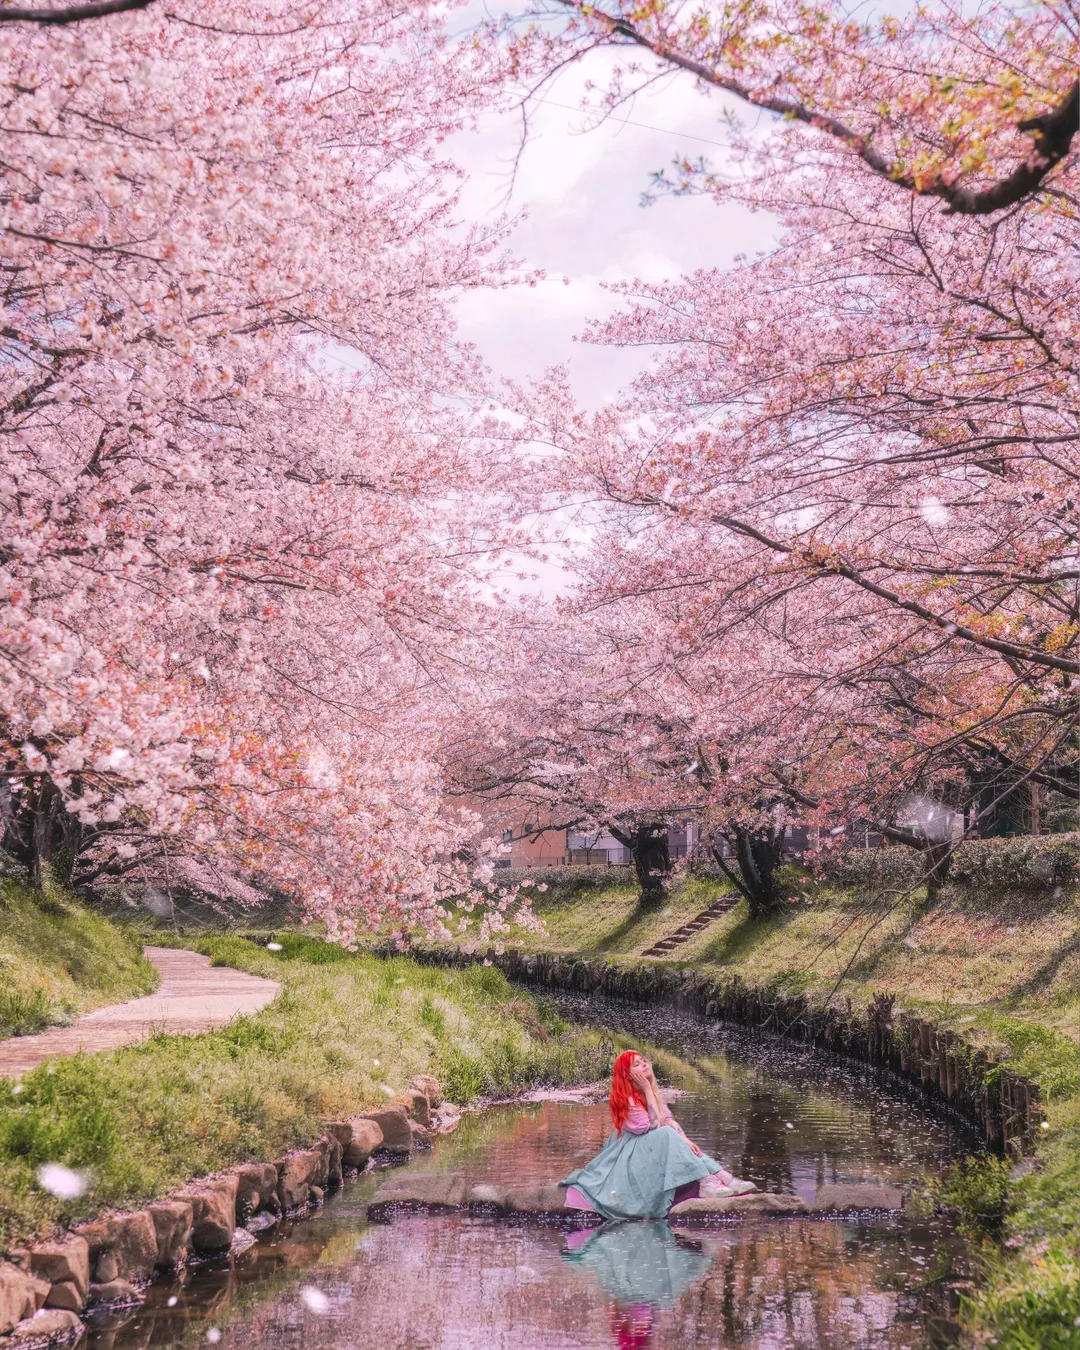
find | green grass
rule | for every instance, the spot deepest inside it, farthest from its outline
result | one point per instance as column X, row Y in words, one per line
column 1003, row 969
column 606, row 920
column 346, row 1033
column 58, row 960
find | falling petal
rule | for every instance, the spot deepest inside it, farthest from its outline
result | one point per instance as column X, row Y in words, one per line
column 61, row 1181
column 314, row 1299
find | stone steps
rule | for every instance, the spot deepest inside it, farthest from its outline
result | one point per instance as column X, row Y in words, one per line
column 694, row 925
column 446, row 1192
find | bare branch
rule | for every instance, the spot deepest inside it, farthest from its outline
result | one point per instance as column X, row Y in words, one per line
column 99, row 9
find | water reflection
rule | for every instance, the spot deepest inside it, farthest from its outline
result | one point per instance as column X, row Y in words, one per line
column 766, row 1154
column 641, row 1267
column 785, row 1117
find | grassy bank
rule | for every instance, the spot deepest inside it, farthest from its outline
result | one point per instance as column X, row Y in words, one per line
column 346, row 1033
column 1003, row 968
column 58, row 960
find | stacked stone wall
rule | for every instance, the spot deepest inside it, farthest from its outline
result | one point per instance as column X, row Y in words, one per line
column 1003, row 1107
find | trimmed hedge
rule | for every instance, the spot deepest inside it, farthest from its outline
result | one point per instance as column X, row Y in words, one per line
column 568, row 880
column 1026, row 862
column 893, row 868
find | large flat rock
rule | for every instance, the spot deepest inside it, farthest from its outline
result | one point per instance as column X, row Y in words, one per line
column 545, row 1204
column 486, row 1198
column 431, row 1192
column 857, row 1199
column 444, row 1192
column 708, row 1209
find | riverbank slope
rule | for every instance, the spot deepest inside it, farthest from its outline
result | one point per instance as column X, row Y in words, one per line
column 999, row 967
column 59, row 960
column 347, row 1033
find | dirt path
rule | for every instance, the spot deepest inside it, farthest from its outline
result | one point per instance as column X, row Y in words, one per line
column 193, row 996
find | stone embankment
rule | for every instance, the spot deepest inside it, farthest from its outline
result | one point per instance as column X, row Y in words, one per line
column 1003, row 1107
column 44, row 1289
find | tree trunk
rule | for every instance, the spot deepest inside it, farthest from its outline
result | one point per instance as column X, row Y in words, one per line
column 938, row 860
column 38, row 830
column 936, row 855
column 648, row 845
column 758, row 854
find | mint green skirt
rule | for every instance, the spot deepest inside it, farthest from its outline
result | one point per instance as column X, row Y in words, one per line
column 635, row 1176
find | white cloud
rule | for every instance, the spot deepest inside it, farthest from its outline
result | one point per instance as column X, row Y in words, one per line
column 582, row 191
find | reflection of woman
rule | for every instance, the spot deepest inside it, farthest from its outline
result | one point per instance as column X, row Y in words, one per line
column 647, row 1164
column 631, row 1327
column 641, row 1267
column 638, row 1264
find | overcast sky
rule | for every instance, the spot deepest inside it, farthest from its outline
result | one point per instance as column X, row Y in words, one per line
column 581, row 190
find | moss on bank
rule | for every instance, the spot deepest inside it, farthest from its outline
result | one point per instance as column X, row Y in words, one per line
column 1002, row 968
column 346, row 1033
column 58, row 960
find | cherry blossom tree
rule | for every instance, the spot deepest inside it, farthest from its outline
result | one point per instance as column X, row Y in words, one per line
column 247, row 507
column 861, row 446
column 606, row 713
column 978, row 109
column 567, row 742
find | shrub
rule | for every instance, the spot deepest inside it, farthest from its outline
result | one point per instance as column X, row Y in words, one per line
column 1028, row 862
column 894, row 868
column 566, row 881
column 976, row 1190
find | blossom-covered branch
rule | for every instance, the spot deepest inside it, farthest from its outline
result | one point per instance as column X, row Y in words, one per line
column 1051, row 132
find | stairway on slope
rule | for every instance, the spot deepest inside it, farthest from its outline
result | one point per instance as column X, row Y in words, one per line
column 718, row 907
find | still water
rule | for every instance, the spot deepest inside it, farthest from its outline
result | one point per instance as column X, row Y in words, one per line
column 788, row 1118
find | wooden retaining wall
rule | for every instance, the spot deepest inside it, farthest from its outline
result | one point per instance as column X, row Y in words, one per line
column 1003, row 1107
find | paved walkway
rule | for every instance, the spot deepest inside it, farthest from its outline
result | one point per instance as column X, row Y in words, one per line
column 193, row 996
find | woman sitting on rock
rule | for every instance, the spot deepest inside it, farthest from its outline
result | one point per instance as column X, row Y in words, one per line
column 647, row 1164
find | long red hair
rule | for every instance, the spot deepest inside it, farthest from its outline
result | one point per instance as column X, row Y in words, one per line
column 632, row 1327
column 623, row 1093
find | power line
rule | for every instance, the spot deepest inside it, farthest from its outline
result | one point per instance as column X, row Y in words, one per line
column 628, row 122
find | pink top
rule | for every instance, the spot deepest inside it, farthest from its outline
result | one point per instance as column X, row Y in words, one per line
column 637, row 1120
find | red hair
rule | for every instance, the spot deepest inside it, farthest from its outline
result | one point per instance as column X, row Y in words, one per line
column 623, row 1092
column 631, row 1327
